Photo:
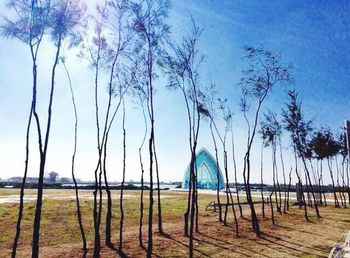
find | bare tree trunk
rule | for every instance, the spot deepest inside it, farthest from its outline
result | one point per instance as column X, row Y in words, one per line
column 246, row 168
column 274, row 172
column 196, row 208
column 187, row 213
column 309, row 202
column 262, row 180
column 121, row 223
column 108, row 232
column 34, row 49
column 343, row 181
column 97, row 243
column 160, row 220
column 255, row 221
column 319, row 182
column 336, row 202
column 142, row 180
column 229, row 194
column 338, row 183
column 289, row 186
column 272, row 212
column 21, row 198
column 235, row 171
column 151, row 200
column 193, row 200
column 217, row 173
column 315, row 186
column 284, row 177
column 301, row 186
column 79, row 216
column 278, row 186
column 322, row 184
column 43, row 152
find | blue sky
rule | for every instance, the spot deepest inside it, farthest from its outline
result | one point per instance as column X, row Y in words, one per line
column 312, row 36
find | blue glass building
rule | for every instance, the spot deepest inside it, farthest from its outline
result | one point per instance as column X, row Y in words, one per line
column 207, row 172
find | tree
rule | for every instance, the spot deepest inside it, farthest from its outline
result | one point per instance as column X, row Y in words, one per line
column 141, row 99
column 59, row 20
column 264, row 73
column 52, row 177
column 29, row 26
column 270, row 132
column 299, row 130
column 106, row 51
column 325, row 146
column 63, row 19
column 212, row 93
column 181, row 66
column 318, row 144
column 227, row 117
column 151, row 30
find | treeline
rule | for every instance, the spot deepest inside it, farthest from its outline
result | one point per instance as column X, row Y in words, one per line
column 130, row 43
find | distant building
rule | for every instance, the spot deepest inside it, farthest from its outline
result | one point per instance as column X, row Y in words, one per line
column 207, row 172
column 19, row 179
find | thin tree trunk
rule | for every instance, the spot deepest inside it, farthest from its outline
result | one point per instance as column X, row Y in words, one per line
column 121, row 223
column 309, row 202
column 235, row 171
column 278, row 185
column 142, row 180
column 21, row 198
column 319, row 182
column 43, row 152
column 274, row 172
column 262, row 179
column 229, row 194
column 336, row 202
column 272, row 212
column 343, row 181
column 255, row 220
column 289, row 186
column 160, row 220
column 322, row 184
column 96, row 208
column 284, row 177
column 150, row 149
column 193, row 199
column 195, row 132
column 315, row 186
column 187, row 212
column 108, row 232
column 338, row 184
column 34, row 52
column 217, row 173
column 105, row 135
column 246, row 168
column 196, row 208
column 301, row 186
column 79, row 216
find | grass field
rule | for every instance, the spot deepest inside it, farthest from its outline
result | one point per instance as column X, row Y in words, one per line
column 60, row 237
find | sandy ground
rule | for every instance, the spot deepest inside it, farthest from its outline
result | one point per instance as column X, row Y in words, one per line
column 291, row 237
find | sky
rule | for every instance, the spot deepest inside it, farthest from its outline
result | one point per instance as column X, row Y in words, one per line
column 312, row 36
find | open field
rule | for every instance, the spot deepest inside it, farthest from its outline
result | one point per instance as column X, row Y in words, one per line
column 292, row 237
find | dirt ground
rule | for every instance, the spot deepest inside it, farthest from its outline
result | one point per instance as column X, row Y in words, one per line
column 291, row 237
